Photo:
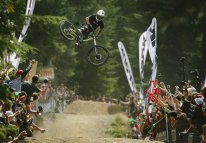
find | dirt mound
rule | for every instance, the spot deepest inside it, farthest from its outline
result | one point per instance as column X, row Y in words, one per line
column 74, row 125
column 81, row 119
column 82, row 122
column 88, row 140
column 92, row 108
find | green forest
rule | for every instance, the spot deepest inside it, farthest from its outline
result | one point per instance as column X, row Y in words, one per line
column 181, row 32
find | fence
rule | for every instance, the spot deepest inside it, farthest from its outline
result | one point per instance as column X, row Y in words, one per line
column 54, row 100
column 173, row 134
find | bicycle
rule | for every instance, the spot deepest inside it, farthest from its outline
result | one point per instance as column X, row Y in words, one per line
column 97, row 55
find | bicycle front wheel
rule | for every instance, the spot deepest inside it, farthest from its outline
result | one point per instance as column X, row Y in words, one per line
column 68, row 30
column 98, row 55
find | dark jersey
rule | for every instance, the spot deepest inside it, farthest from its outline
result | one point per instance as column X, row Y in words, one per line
column 95, row 24
column 29, row 88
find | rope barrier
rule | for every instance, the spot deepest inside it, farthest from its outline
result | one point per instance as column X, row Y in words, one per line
column 154, row 124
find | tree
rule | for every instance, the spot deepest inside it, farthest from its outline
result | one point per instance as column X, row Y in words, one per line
column 179, row 34
column 11, row 23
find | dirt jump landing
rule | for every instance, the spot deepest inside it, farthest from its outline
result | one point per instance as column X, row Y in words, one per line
column 88, row 140
column 92, row 108
column 81, row 122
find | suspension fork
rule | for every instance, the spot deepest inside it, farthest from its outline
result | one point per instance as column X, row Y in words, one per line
column 95, row 42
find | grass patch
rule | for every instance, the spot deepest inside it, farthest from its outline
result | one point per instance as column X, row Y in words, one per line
column 119, row 128
column 6, row 131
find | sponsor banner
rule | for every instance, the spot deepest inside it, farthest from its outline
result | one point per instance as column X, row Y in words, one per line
column 152, row 43
column 127, row 67
column 152, row 39
column 148, row 42
column 13, row 58
column 143, row 49
column 205, row 82
column 29, row 12
column 46, row 73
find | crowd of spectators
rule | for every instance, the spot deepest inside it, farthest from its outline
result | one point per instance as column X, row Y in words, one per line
column 185, row 109
column 21, row 101
column 55, row 98
column 16, row 100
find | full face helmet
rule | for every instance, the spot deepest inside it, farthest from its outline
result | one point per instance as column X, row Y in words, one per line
column 100, row 14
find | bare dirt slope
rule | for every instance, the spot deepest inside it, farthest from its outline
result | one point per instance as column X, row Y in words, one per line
column 82, row 122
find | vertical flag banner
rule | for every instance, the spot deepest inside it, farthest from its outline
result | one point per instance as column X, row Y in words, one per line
column 205, row 82
column 152, row 39
column 13, row 58
column 127, row 67
column 152, row 43
column 29, row 12
column 143, row 48
column 148, row 42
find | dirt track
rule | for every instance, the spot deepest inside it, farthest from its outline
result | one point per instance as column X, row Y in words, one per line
column 82, row 122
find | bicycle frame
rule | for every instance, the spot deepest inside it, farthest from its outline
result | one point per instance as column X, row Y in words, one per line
column 97, row 55
column 73, row 31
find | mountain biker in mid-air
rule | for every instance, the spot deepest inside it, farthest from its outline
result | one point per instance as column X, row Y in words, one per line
column 92, row 23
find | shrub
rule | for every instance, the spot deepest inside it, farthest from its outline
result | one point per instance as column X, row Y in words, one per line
column 118, row 128
column 6, row 131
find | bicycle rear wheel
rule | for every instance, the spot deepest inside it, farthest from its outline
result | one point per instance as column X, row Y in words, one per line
column 68, row 30
column 98, row 56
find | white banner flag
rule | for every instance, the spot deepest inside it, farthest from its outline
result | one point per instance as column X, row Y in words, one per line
column 143, row 49
column 152, row 42
column 13, row 58
column 148, row 41
column 127, row 67
column 29, row 12
column 152, row 39
column 205, row 82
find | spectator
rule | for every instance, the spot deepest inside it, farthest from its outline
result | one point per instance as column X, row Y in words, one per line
column 31, row 88
column 17, row 76
column 131, row 107
column 28, row 125
column 21, row 135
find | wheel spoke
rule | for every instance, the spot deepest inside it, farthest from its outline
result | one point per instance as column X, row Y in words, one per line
column 99, row 57
column 67, row 29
